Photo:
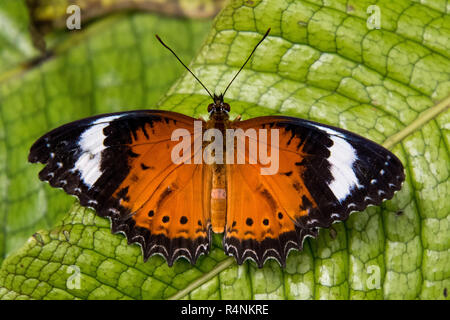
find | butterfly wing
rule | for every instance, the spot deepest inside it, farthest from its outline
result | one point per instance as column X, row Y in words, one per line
column 120, row 165
column 324, row 173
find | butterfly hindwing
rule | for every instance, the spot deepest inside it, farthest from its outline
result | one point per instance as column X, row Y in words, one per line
column 120, row 165
column 324, row 174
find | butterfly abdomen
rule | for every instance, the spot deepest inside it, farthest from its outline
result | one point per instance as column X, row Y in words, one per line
column 218, row 198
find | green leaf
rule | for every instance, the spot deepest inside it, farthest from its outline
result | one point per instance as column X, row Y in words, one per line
column 320, row 62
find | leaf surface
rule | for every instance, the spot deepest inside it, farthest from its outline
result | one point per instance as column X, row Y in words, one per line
column 320, row 62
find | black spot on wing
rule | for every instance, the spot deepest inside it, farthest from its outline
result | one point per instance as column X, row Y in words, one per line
column 123, row 194
column 183, row 220
column 306, row 204
column 144, row 167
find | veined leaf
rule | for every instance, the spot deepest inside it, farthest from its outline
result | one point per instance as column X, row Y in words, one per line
column 320, row 62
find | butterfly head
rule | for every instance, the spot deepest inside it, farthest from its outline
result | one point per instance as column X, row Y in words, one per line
column 218, row 107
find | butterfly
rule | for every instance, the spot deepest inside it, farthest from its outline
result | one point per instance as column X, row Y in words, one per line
column 122, row 165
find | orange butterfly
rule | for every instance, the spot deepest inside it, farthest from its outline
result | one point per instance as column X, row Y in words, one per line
column 122, row 165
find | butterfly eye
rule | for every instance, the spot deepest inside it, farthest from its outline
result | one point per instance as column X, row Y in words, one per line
column 226, row 106
column 210, row 107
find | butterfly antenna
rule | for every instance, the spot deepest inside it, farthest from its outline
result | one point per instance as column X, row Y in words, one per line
column 267, row 32
column 159, row 39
